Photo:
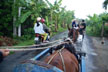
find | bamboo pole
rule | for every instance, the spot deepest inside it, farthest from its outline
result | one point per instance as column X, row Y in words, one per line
column 30, row 49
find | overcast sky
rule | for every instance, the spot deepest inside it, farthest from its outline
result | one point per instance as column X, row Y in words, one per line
column 83, row 8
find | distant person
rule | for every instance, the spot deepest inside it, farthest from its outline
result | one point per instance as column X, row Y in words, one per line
column 82, row 28
column 38, row 28
column 3, row 53
column 83, row 24
column 75, row 24
column 45, row 28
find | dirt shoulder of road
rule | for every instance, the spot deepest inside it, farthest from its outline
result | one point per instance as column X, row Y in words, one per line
column 97, row 42
column 101, row 60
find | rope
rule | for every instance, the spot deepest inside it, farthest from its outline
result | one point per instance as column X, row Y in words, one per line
column 62, row 59
column 52, row 58
column 30, row 49
column 29, row 45
column 59, row 51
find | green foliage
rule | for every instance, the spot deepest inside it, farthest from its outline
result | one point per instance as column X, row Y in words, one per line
column 47, row 22
column 27, row 42
column 105, row 3
column 56, row 16
column 28, row 32
column 104, row 17
column 106, row 31
column 5, row 18
column 25, row 16
column 59, row 16
column 94, row 24
column 49, row 3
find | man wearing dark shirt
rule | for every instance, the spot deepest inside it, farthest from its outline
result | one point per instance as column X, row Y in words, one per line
column 83, row 24
column 82, row 28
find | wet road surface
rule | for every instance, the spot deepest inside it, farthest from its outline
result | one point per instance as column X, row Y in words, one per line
column 97, row 54
column 11, row 61
column 96, row 58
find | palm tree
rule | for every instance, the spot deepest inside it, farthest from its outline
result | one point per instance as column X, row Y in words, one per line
column 105, row 3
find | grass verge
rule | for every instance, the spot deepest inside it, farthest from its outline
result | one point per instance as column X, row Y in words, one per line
column 31, row 41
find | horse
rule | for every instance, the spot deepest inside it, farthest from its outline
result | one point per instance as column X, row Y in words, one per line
column 64, row 57
column 73, row 33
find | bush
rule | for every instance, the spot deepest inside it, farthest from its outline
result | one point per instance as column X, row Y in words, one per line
column 6, row 41
column 106, row 31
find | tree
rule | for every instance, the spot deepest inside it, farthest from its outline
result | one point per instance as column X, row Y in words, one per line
column 95, row 24
column 54, row 12
column 33, row 9
column 5, row 18
column 105, row 3
column 23, row 13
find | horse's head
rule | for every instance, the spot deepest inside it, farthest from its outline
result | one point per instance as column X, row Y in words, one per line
column 73, row 33
column 67, row 44
column 70, row 33
column 65, row 57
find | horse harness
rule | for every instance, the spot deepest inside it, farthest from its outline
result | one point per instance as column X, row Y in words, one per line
column 59, row 51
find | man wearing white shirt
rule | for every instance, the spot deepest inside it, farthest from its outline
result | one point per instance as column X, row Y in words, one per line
column 38, row 28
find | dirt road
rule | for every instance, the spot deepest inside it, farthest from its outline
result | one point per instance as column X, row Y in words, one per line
column 12, row 60
column 96, row 58
column 97, row 54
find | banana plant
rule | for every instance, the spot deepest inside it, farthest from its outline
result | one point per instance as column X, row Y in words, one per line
column 54, row 12
column 95, row 19
column 104, row 17
column 33, row 9
column 96, row 22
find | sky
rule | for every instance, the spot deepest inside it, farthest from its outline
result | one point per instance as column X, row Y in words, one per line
column 83, row 8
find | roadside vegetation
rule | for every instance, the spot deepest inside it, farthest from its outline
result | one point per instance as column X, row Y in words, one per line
column 18, row 18
column 94, row 24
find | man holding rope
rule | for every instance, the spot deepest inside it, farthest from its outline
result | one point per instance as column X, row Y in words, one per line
column 3, row 53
